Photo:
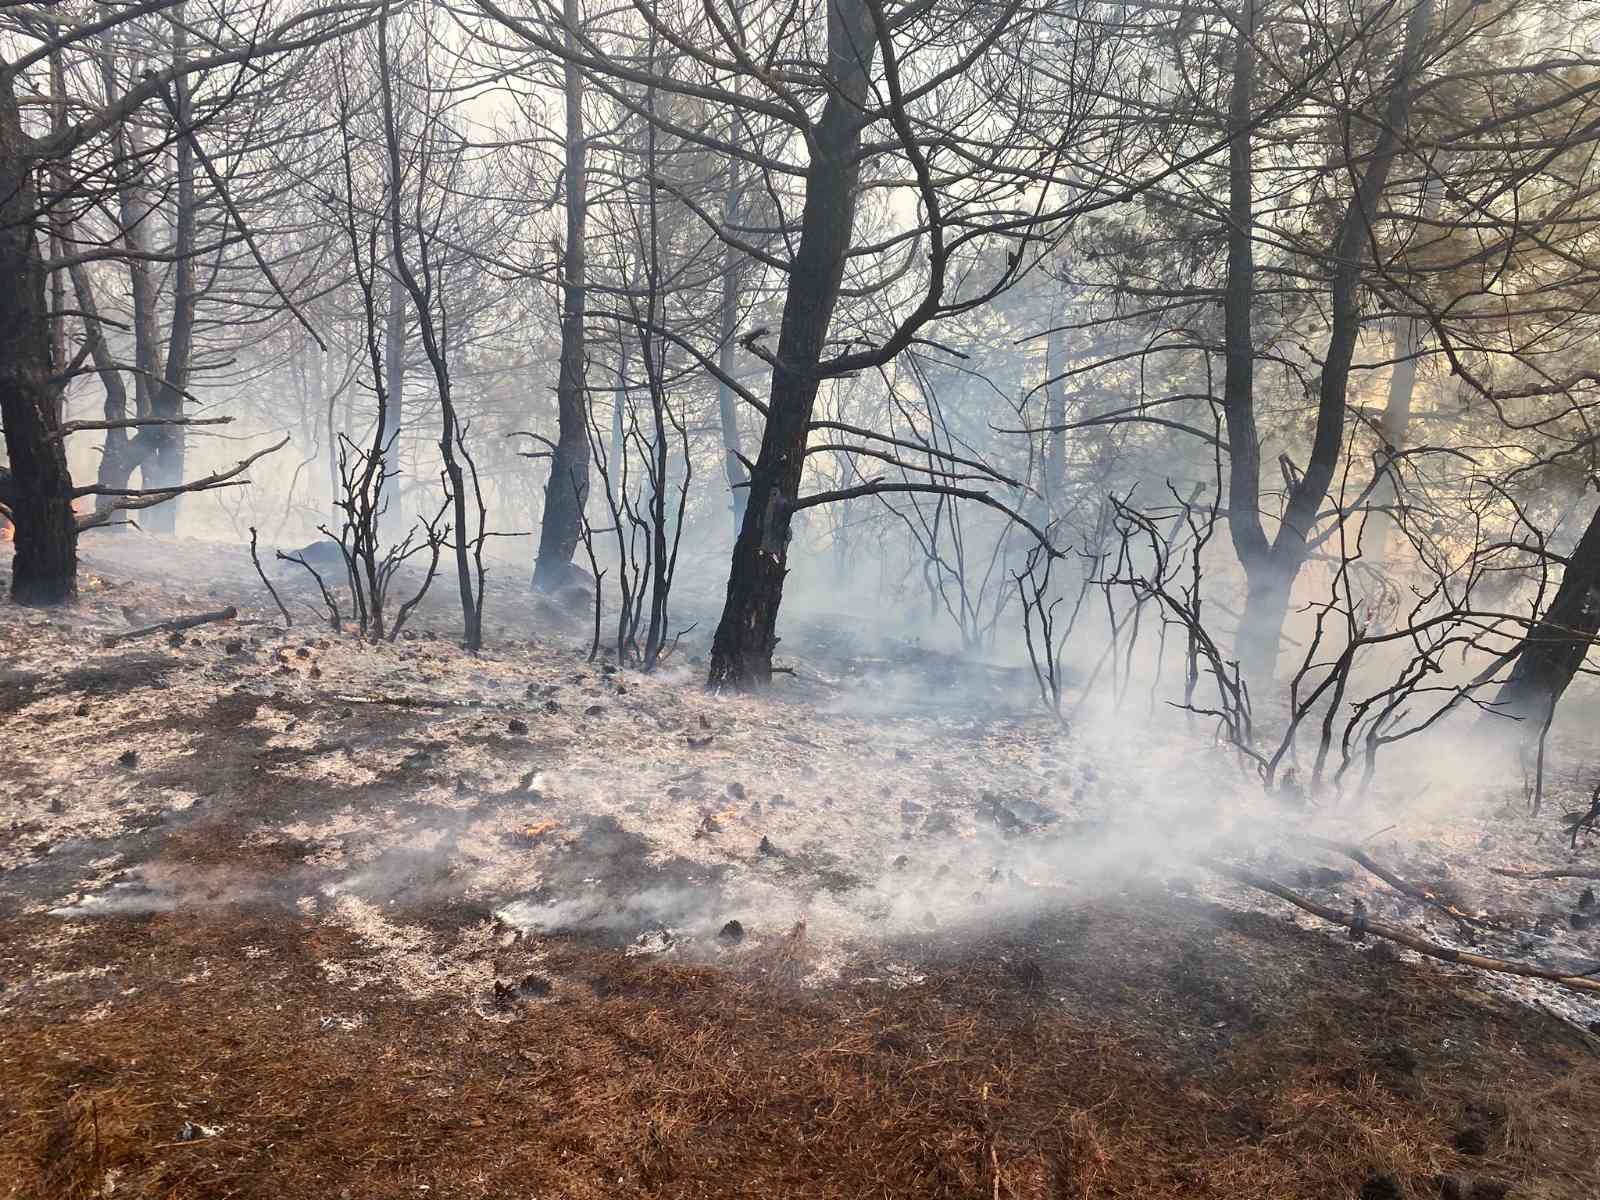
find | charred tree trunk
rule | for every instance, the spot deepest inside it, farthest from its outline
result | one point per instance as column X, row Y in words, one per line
column 1271, row 568
column 124, row 453
column 432, row 333
column 1269, row 584
column 117, row 456
column 1055, row 409
column 568, row 489
column 44, row 569
column 394, row 363
column 1553, row 651
column 1238, row 386
column 727, row 320
column 164, row 467
column 741, row 652
column 59, row 219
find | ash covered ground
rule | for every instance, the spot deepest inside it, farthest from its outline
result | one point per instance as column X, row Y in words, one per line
column 471, row 834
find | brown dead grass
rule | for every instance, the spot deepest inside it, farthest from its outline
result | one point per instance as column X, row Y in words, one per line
column 1074, row 1078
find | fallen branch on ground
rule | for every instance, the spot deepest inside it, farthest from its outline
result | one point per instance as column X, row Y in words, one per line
column 1420, row 894
column 175, row 625
column 1363, row 925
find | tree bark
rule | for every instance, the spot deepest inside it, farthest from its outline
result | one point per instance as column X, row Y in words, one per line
column 1055, row 408
column 394, row 371
column 163, row 468
column 1552, row 652
column 1238, row 385
column 741, row 652
column 567, row 491
column 45, row 565
column 727, row 320
column 123, row 452
column 1272, row 566
column 58, row 225
column 116, row 457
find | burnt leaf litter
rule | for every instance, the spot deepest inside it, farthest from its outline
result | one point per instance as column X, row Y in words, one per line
column 582, row 937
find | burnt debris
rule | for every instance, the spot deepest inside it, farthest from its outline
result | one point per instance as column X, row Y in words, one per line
column 1016, row 813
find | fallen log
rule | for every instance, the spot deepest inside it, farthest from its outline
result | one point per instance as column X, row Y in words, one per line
column 176, row 625
column 1360, row 924
column 1577, row 873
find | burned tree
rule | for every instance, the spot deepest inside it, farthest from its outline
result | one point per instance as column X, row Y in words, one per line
column 1272, row 564
column 917, row 77
column 567, row 491
column 741, row 653
column 1552, row 651
column 163, row 468
column 426, row 168
column 45, row 565
column 44, row 570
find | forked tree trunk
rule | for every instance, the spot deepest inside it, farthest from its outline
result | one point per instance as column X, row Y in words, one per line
column 567, row 492
column 741, row 652
column 1269, row 586
column 1272, row 566
column 1553, row 650
column 44, row 569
